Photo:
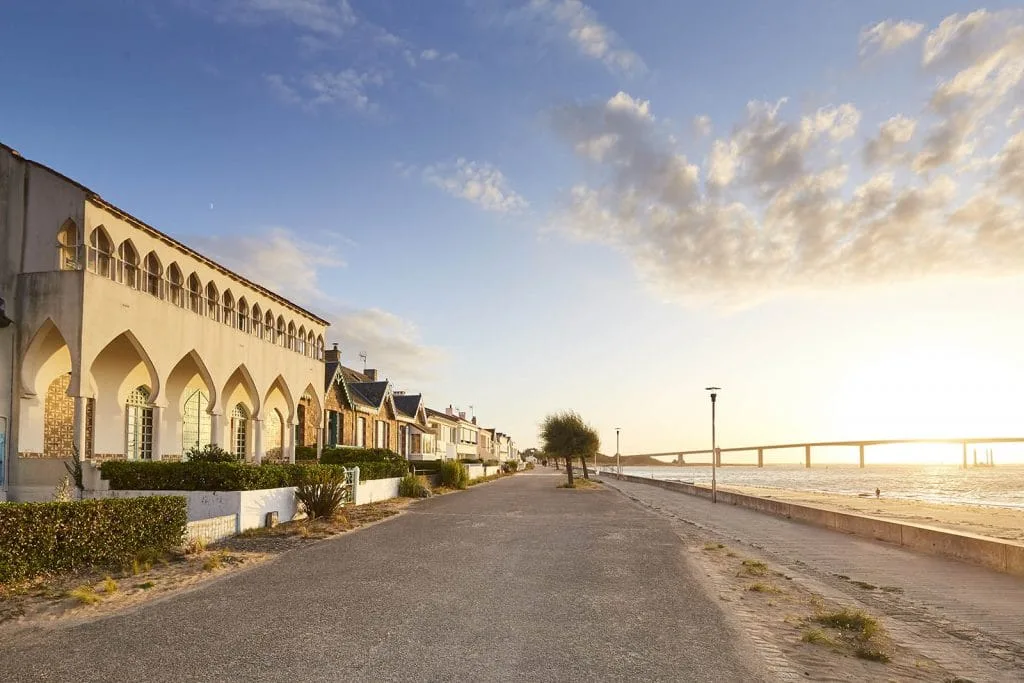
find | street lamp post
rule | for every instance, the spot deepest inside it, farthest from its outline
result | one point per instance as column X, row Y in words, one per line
column 618, row 466
column 714, row 451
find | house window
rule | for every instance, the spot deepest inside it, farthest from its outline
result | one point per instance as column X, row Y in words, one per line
column 361, row 432
column 379, row 442
column 195, row 421
column 300, row 436
column 240, row 431
column 333, row 422
column 139, row 425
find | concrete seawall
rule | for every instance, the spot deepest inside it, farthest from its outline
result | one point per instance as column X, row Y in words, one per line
column 1003, row 556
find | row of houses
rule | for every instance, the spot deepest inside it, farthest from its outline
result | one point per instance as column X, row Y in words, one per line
column 119, row 342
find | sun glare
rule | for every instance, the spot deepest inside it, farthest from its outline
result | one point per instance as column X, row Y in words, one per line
column 927, row 392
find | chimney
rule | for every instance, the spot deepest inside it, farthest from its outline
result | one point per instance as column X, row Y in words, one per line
column 462, row 415
column 333, row 355
column 474, row 419
column 449, row 410
column 371, row 373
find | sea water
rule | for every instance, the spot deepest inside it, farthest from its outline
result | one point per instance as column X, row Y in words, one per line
column 999, row 486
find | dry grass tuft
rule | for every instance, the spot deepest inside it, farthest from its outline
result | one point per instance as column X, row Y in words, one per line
column 84, row 595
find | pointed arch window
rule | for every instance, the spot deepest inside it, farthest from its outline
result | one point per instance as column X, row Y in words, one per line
column 68, row 241
column 101, row 250
column 319, row 347
column 282, row 335
column 257, row 321
column 196, row 424
column 175, row 283
column 240, row 431
column 212, row 301
column 128, row 261
column 229, row 308
column 154, row 275
column 242, row 319
column 195, row 294
column 138, row 421
column 291, row 336
column 268, row 328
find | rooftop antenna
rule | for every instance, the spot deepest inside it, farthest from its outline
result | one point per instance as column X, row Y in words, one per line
column 472, row 413
column 362, row 357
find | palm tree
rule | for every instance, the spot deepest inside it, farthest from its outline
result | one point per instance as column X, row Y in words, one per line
column 567, row 436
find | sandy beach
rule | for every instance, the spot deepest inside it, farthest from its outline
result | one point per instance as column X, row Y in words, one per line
column 1005, row 523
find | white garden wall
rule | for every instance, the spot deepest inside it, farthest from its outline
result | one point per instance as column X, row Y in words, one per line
column 250, row 506
column 377, row 490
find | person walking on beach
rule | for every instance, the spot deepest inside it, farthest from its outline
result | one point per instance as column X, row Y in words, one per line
column 878, row 493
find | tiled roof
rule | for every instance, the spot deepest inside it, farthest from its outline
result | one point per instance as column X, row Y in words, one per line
column 353, row 375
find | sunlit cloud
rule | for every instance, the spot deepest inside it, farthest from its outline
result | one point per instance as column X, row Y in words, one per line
column 479, row 183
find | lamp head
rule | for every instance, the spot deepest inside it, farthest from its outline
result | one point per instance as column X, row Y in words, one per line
column 714, row 392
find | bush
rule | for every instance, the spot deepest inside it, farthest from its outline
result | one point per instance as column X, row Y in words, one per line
column 201, row 476
column 412, row 486
column 49, row 537
column 322, row 491
column 381, row 470
column 454, row 474
column 529, row 466
column 471, row 461
column 305, row 453
column 491, row 463
column 345, row 456
column 210, row 453
column 510, row 466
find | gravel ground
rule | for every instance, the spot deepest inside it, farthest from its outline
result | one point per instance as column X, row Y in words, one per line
column 514, row 580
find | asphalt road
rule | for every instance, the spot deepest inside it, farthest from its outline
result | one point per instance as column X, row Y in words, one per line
column 514, row 580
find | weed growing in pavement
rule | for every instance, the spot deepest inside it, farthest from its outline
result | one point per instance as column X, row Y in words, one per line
column 713, row 546
column 109, row 586
column 760, row 587
column 754, row 568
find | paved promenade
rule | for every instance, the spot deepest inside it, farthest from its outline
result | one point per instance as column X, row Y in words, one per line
column 932, row 597
column 514, row 580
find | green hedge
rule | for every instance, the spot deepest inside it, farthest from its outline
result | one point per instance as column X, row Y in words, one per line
column 425, row 465
column 305, row 453
column 48, row 537
column 210, row 476
column 471, row 461
column 344, row 456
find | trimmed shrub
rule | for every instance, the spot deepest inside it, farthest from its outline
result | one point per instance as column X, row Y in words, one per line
column 345, row 456
column 49, row 537
column 412, row 486
column 322, row 491
column 454, row 474
column 224, row 476
column 210, row 453
column 491, row 463
column 472, row 461
column 305, row 453
column 510, row 466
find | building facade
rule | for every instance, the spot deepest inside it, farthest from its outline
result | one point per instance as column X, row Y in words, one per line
column 126, row 343
column 360, row 409
column 445, row 429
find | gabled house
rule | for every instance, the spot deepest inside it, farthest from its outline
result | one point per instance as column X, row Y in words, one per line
column 445, row 430
column 485, row 447
column 415, row 438
column 360, row 409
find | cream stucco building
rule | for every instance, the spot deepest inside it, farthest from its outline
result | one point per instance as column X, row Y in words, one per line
column 126, row 343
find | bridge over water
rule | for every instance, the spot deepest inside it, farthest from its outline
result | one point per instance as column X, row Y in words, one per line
column 807, row 446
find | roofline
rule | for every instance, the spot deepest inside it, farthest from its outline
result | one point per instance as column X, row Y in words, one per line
column 97, row 199
column 139, row 223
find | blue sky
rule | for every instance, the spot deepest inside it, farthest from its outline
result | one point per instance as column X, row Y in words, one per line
column 514, row 205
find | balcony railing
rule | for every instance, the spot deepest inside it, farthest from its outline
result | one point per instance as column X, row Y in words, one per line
column 189, row 296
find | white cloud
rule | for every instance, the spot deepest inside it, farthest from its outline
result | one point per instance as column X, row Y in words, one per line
column 887, row 36
column 888, row 145
column 591, row 38
column 957, row 38
column 392, row 344
column 702, row 125
column 325, row 17
column 277, row 259
column 776, row 211
column 293, row 267
column 347, row 88
column 479, row 183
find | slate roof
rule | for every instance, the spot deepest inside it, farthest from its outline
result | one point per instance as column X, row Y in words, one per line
column 371, row 393
column 442, row 415
column 408, row 405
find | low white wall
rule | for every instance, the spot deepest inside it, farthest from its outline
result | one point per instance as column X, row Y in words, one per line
column 376, row 490
column 250, row 506
column 475, row 471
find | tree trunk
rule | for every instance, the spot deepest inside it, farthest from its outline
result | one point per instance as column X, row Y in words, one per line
column 586, row 472
column 568, row 470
